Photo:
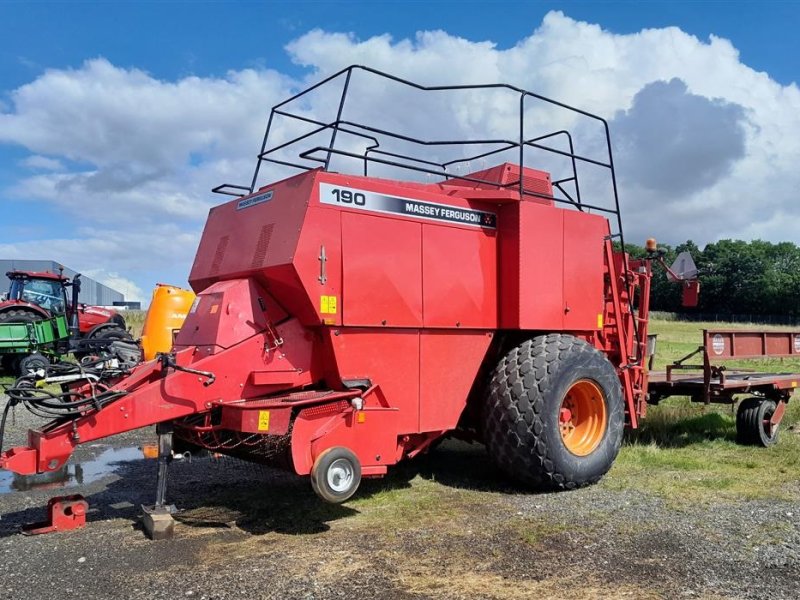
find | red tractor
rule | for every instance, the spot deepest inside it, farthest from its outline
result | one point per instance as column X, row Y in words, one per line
column 36, row 295
column 346, row 322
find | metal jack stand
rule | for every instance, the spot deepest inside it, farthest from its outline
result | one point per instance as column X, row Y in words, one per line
column 157, row 519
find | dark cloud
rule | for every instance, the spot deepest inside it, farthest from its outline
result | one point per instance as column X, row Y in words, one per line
column 676, row 142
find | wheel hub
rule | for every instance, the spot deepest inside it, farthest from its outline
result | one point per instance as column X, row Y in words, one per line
column 340, row 475
column 583, row 417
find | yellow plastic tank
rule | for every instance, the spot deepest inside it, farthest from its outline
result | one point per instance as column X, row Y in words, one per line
column 167, row 312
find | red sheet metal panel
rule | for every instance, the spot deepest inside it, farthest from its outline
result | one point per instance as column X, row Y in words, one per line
column 531, row 266
column 318, row 263
column 459, row 277
column 583, row 270
column 254, row 234
column 227, row 313
column 362, row 353
column 742, row 343
column 449, row 363
column 382, row 271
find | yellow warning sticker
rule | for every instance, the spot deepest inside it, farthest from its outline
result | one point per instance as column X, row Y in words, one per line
column 327, row 305
column 600, row 321
column 263, row 420
column 214, row 308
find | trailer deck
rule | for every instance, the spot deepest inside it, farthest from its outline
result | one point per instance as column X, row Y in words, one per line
column 722, row 386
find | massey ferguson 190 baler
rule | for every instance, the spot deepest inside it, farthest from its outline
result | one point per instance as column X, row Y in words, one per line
column 346, row 322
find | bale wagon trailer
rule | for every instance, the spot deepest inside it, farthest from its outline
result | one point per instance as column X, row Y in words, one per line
column 709, row 381
column 347, row 318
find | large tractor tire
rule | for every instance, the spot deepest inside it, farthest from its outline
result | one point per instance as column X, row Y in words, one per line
column 19, row 316
column 108, row 332
column 554, row 413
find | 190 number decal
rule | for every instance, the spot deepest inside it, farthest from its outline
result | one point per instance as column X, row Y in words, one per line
column 349, row 197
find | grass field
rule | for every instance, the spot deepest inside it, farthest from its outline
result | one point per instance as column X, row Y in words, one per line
column 134, row 319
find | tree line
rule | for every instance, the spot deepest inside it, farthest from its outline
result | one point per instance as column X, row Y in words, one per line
column 736, row 277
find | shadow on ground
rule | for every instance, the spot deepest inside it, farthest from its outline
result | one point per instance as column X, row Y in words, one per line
column 223, row 492
column 680, row 433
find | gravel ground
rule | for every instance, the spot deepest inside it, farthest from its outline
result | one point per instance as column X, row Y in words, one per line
column 444, row 526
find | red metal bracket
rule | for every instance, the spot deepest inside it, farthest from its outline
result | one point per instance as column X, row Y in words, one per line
column 63, row 513
column 777, row 417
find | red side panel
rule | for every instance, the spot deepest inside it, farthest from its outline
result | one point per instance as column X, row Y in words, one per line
column 253, row 235
column 227, row 313
column 509, row 266
column 449, row 362
column 532, row 265
column 459, row 274
column 382, row 271
column 389, row 358
column 318, row 264
column 584, row 239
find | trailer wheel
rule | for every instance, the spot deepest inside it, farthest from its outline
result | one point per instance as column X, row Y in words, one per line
column 554, row 414
column 33, row 362
column 336, row 475
column 752, row 422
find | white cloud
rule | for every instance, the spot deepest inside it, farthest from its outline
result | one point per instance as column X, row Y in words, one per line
column 43, row 163
column 724, row 159
column 128, row 288
column 706, row 146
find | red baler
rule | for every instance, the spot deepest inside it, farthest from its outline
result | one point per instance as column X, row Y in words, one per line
column 346, row 322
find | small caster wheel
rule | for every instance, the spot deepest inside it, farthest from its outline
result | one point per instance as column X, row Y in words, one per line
column 753, row 422
column 336, row 475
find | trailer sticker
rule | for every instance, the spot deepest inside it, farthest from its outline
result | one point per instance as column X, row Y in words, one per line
column 327, row 305
column 263, row 420
column 718, row 344
column 253, row 200
column 797, row 343
column 373, row 201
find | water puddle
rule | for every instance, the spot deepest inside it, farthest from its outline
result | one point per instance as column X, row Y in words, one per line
column 71, row 474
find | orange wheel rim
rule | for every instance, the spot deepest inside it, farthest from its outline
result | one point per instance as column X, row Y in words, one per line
column 582, row 417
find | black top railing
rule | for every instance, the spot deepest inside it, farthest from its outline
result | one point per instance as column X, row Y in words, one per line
column 373, row 153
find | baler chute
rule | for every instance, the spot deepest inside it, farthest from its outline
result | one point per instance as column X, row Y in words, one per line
column 346, row 322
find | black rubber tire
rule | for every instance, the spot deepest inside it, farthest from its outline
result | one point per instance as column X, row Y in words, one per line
column 111, row 333
column 33, row 362
column 337, row 456
column 521, row 412
column 19, row 316
column 750, row 417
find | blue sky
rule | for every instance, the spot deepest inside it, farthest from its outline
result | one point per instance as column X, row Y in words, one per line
column 204, row 43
